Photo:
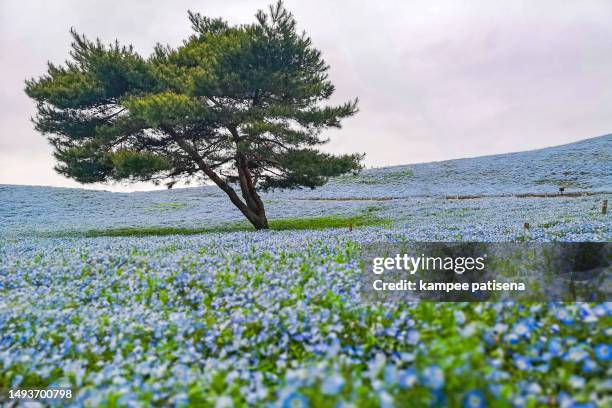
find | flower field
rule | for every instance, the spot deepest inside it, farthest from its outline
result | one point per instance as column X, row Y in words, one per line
column 274, row 318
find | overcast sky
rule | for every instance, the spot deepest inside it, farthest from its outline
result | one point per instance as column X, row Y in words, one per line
column 436, row 79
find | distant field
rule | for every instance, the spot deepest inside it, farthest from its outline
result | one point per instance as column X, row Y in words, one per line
column 416, row 189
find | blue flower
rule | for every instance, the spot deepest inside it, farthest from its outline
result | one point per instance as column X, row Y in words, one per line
column 599, row 310
column 564, row 399
column 555, row 347
column 386, row 400
column 575, row 354
column 439, row 399
column 413, row 337
column 564, row 316
column 407, row 378
column 16, row 381
column 589, row 366
column 489, row 338
column 459, row 317
column 474, row 399
column 495, row 389
column 512, row 338
column 582, row 405
column 332, row 385
column 603, row 352
column 295, row 400
column 522, row 363
column 390, row 374
column 67, row 345
column 532, row 388
column 433, row 377
column 523, row 328
column 576, row 382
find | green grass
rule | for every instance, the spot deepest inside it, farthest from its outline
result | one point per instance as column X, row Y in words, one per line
column 169, row 206
column 332, row 221
column 148, row 231
column 310, row 223
column 565, row 183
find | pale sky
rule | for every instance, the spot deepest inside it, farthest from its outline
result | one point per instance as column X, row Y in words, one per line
column 436, row 79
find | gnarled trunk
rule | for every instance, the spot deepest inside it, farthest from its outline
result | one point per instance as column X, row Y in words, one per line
column 260, row 223
column 249, row 193
column 253, row 210
column 247, row 186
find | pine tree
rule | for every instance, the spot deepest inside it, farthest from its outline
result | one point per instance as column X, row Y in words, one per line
column 241, row 106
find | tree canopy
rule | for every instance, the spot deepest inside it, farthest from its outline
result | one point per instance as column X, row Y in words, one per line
column 241, row 106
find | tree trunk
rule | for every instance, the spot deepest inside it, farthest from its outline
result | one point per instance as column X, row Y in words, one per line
column 260, row 223
column 249, row 192
column 254, row 209
column 247, row 185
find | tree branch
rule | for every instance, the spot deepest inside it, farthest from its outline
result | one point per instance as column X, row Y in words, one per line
column 250, row 214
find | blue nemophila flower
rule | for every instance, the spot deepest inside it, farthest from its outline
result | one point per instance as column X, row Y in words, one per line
column 587, row 314
column 523, row 363
column 532, row 388
column 512, row 338
column 576, row 382
column 519, row 401
column 433, row 377
column 599, row 310
column 459, row 317
column 564, row 316
column 438, row 399
column 407, row 378
column 589, row 366
column 413, row 337
column 390, row 374
column 332, row 385
column 555, row 347
column 564, row 399
column 582, row 405
column 386, row 400
column 16, row 381
column 489, row 338
column 295, row 400
column 495, row 390
column 523, row 328
column 474, row 399
column 575, row 354
column 224, row 401
column 603, row 352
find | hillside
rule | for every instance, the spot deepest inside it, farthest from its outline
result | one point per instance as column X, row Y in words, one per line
column 579, row 167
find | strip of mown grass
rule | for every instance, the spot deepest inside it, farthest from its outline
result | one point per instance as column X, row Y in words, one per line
column 148, row 231
column 309, row 223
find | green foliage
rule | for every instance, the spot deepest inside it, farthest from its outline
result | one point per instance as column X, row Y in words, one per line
column 137, row 165
column 85, row 163
column 166, row 108
column 311, row 168
column 232, row 103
